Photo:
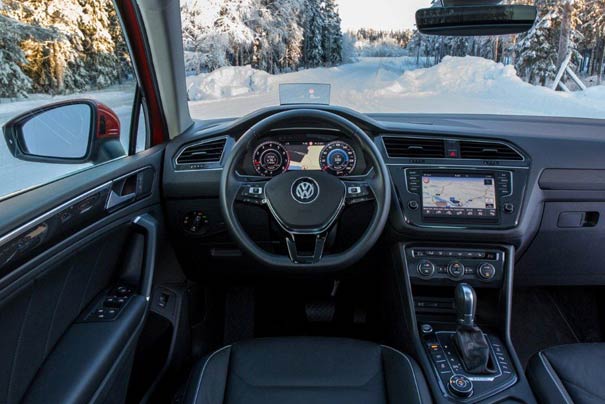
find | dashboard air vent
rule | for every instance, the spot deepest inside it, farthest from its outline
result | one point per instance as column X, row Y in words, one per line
column 414, row 147
column 487, row 151
column 202, row 153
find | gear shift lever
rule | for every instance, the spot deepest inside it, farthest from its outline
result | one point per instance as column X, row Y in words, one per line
column 469, row 339
column 466, row 304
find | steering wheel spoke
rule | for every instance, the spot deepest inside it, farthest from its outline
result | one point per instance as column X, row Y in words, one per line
column 298, row 257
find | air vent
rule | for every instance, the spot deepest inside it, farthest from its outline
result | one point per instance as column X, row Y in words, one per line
column 487, row 151
column 414, row 147
column 202, row 153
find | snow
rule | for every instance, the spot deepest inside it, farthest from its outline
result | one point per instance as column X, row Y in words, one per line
column 394, row 84
column 468, row 84
column 227, row 82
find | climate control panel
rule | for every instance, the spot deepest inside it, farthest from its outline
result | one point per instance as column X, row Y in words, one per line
column 439, row 265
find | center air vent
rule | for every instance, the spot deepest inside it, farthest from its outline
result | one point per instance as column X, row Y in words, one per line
column 487, row 151
column 202, row 153
column 414, row 147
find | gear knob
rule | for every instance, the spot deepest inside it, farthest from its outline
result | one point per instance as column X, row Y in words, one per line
column 466, row 304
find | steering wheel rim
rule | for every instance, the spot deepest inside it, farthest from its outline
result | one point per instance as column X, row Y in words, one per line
column 378, row 180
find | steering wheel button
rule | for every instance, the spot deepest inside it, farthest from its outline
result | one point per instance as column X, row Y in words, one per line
column 354, row 190
column 256, row 191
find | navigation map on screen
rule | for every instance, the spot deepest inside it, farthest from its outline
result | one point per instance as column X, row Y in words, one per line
column 304, row 155
column 458, row 195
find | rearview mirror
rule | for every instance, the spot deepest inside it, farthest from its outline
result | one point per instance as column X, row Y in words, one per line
column 75, row 131
column 476, row 20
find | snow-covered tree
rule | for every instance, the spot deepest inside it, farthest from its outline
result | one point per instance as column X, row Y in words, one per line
column 313, row 47
column 86, row 51
column 13, row 80
column 331, row 35
column 541, row 50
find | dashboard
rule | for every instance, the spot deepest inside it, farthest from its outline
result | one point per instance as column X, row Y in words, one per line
column 537, row 184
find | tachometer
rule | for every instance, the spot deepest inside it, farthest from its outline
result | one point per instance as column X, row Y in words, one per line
column 337, row 158
column 270, row 158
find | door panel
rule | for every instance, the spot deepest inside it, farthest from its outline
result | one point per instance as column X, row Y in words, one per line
column 50, row 349
column 38, row 314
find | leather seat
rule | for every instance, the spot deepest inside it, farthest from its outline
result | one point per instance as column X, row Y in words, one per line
column 569, row 374
column 306, row 370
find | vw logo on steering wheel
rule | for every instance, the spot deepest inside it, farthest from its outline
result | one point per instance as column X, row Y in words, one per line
column 305, row 190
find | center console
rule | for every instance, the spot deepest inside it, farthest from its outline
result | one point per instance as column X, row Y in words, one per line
column 468, row 362
column 459, row 296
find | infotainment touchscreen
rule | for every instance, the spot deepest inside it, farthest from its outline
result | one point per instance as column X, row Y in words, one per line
column 458, row 195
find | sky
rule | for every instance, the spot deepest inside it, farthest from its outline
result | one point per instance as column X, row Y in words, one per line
column 380, row 14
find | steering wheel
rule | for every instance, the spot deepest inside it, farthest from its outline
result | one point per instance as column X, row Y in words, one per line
column 306, row 203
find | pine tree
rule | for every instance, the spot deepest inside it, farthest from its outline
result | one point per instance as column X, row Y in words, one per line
column 313, row 50
column 84, row 52
column 331, row 35
column 13, row 80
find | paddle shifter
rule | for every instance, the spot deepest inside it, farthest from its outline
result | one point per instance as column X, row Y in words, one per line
column 469, row 339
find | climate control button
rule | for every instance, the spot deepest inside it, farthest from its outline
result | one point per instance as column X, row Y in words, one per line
column 426, row 268
column 486, row 271
column 456, row 270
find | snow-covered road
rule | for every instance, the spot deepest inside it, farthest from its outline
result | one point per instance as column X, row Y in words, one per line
column 349, row 83
column 456, row 85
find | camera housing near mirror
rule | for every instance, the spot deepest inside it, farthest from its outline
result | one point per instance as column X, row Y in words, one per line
column 67, row 132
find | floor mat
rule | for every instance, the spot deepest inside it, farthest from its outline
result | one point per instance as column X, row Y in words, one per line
column 538, row 323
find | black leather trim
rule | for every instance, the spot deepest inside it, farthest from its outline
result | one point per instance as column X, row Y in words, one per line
column 82, row 361
column 568, row 374
column 306, row 370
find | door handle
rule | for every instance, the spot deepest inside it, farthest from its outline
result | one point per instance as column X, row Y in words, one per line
column 129, row 188
column 116, row 199
column 123, row 191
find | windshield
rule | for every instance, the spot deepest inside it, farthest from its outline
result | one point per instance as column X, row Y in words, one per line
column 239, row 52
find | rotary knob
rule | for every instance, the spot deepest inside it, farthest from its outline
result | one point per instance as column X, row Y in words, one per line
column 426, row 268
column 486, row 271
column 456, row 270
column 460, row 386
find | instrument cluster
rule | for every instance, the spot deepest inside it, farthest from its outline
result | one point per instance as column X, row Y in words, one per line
column 273, row 157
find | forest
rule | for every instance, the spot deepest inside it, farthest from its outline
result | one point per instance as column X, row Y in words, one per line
column 67, row 46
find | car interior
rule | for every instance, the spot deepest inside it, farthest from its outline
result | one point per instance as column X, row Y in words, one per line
column 208, row 268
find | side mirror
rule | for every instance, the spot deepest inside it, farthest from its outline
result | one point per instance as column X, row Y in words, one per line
column 475, row 20
column 67, row 132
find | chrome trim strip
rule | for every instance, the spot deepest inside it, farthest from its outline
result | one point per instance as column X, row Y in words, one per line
column 34, row 222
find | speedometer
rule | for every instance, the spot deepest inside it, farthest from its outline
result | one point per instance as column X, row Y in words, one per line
column 270, row 158
column 338, row 158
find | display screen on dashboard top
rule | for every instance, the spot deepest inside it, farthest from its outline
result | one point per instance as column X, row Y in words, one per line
column 459, row 195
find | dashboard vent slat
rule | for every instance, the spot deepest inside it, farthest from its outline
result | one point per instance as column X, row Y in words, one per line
column 202, row 153
column 414, row 147
column 487, row 151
